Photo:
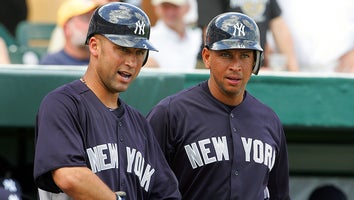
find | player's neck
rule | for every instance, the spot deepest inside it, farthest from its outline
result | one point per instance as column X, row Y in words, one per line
column 230, row 99
column 110, row 100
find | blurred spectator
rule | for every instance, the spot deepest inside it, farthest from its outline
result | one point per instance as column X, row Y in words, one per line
column 58, row 39
column 327, row 192
column 12, row 12
column 191, row 17
column 207, row 10
column 4, row 54
column 178, row 43
column 73, row 17
column 267, row 15
column 323, row 33
column 136, row 3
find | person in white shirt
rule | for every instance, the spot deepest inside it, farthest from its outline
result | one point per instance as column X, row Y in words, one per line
column 57, row 39
column 323, row 33
column 177, row 42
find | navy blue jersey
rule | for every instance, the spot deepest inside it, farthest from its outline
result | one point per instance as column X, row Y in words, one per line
column 75, row 129
column 222, row 152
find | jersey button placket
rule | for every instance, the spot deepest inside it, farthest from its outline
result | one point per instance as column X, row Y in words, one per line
column 236, row 181
column 120, row 124
column 233, row 129
column 121, row 177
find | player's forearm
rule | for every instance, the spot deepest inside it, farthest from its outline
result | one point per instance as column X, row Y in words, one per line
column 81, row 183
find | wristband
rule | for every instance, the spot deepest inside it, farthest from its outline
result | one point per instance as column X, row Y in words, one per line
column 120, row 195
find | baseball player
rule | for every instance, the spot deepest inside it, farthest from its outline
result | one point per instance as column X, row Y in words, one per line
column 89, row 143
column 220, row 141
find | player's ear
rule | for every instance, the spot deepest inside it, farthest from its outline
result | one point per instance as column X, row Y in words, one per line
column 206, row 57
column 94, row 45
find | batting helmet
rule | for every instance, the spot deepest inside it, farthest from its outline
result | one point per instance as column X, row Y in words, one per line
column 122, row 23
column 233, row 30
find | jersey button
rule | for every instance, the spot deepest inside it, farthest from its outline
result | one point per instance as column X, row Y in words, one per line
column 236, row 173
column 232, row 115
column 120, row 124
column 234, row 130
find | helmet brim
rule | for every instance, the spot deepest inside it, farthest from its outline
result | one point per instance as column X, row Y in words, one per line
column 131, row 41
column 235, row 44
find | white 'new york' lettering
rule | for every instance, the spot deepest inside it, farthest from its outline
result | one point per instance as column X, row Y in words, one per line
column 98, row 157
column 259, row 151
column 201, row 157
column 142, row 171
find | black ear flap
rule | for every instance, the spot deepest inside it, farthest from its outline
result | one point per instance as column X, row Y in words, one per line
column 146, row 57
column 258, row 63
column 261, row 62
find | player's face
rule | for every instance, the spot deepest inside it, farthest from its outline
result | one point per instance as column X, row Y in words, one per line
column 117, row 66
column 230, row 71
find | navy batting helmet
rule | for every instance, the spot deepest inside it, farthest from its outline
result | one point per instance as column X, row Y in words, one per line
column 233, row 30
column 122, row 23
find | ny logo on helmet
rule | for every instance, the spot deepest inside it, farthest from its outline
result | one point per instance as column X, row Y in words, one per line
column 239, row 29
column 139, row 28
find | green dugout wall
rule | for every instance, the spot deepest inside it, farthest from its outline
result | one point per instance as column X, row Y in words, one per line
column 299, row 100
column 317, row 111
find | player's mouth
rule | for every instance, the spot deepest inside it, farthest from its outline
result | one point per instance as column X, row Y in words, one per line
column 233, row 80
column 125, row 75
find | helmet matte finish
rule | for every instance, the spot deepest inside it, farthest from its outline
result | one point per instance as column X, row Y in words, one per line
column 122, row 23
column 233, row 30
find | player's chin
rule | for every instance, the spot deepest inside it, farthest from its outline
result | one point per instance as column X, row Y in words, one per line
column 234, row 89
column 118, row 86
column 122, row 88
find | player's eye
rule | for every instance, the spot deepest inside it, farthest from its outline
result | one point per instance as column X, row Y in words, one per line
column 141, row 52
column 124, row 49
column 245, row 55
column 225, row 54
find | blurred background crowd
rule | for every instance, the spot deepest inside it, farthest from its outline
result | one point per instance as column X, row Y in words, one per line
column 294, row 37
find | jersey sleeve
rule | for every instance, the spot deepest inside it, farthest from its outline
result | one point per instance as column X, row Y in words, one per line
column 58, row 142
column 278, row 183
column 165, row 184
column 159, row 118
